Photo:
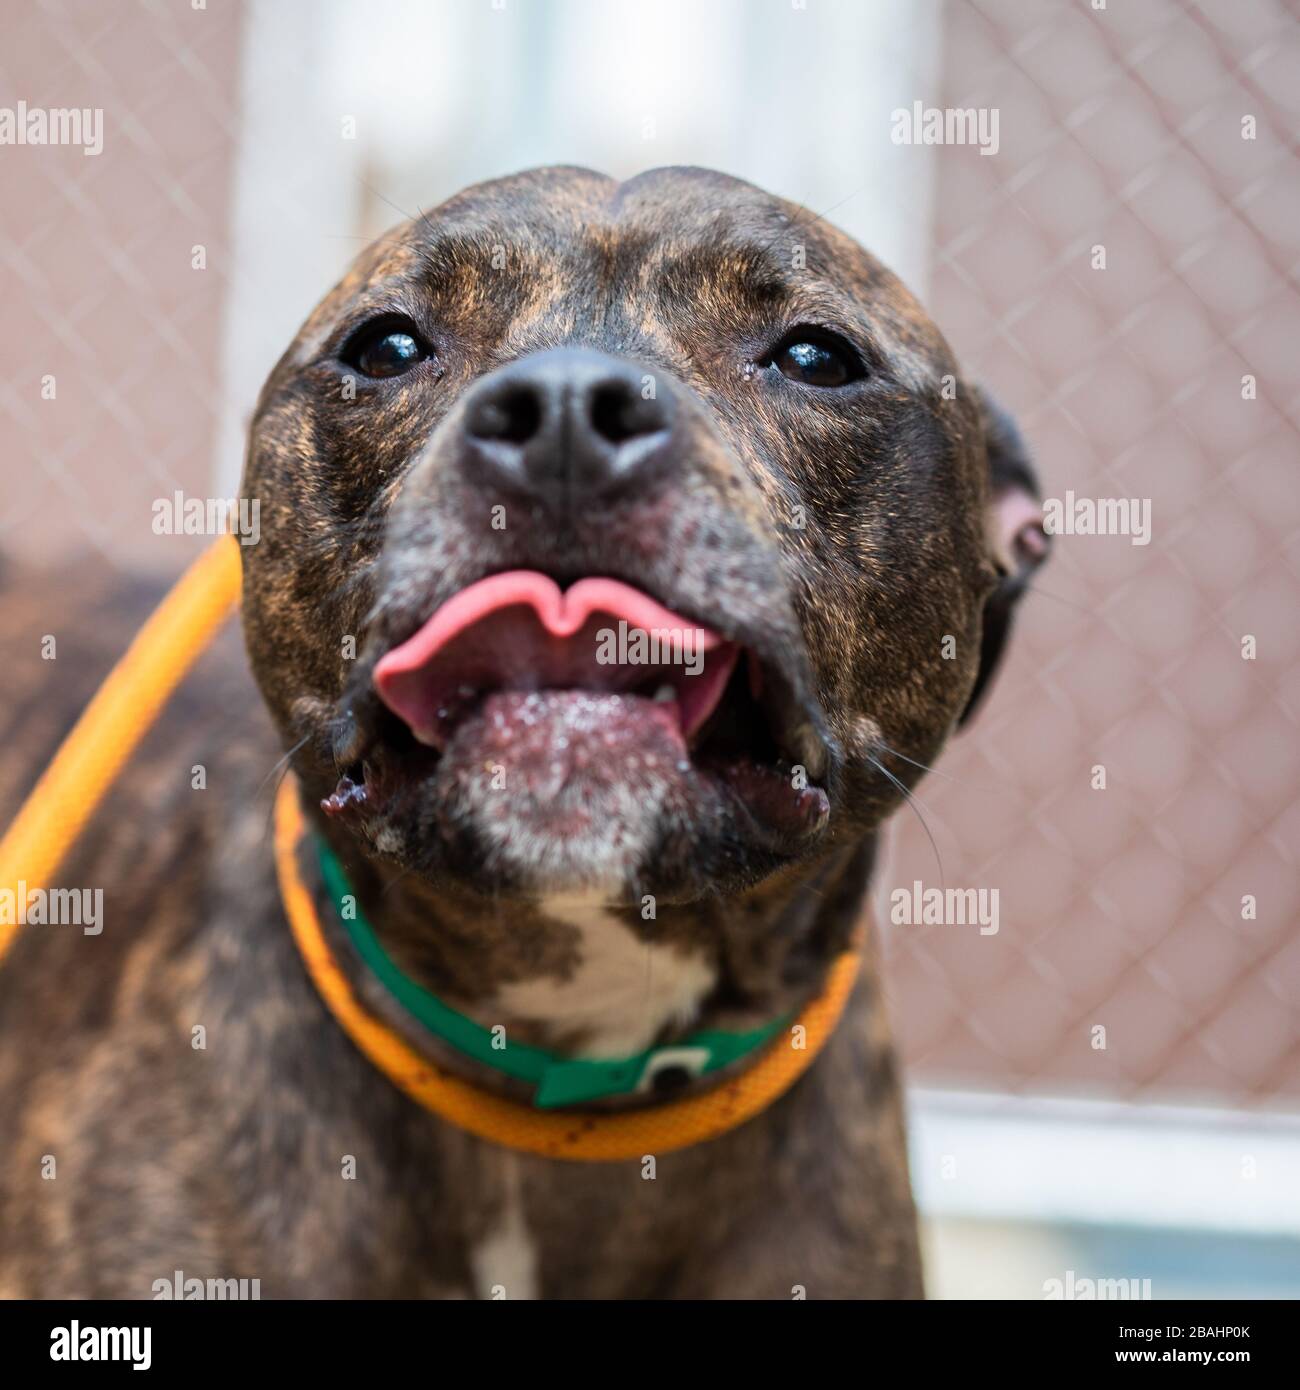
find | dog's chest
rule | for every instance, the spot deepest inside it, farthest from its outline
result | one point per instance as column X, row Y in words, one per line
column 622, row 992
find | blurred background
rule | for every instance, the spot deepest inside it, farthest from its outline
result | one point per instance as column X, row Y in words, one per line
column 251, row 149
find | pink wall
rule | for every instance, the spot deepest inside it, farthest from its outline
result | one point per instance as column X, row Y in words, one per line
column 1122, row 907
column 95, row 255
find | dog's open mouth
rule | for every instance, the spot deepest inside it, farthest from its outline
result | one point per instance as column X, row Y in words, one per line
column 602, row 681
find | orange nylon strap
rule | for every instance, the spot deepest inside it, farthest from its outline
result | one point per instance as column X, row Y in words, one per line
column 577, row 1135
column 114, row 722
column 117, row 718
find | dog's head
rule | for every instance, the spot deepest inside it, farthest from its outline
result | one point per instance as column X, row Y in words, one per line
column 638, row 538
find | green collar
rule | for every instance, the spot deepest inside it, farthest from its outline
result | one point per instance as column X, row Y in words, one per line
column 558, row 1080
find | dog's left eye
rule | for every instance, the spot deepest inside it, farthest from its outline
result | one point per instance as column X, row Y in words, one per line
column 387, row 348
column 816, row 358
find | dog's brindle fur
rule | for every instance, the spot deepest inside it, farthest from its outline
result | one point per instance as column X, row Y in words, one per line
column 228, row 1160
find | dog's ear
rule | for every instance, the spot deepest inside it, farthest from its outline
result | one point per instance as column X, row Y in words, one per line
column 1018, row 541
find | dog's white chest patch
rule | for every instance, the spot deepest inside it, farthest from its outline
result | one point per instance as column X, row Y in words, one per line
column 504, row 1263
column 623, row 991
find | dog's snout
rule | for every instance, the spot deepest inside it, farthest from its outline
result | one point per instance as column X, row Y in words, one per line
column 566, row 427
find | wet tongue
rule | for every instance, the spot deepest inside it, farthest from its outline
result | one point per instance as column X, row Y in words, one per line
column 519, row 633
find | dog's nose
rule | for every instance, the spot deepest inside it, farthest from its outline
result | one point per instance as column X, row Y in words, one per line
column 567, row 427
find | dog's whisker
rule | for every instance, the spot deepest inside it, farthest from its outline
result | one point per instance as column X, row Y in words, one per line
column 281, row 765
column 813, row 217
column 999, row 788
column 1069, row 603
column 279, row 772
column 916, row 811
column 902, row 757
column 383, row 198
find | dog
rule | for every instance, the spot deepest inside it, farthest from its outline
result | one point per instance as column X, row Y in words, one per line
column 550, row 407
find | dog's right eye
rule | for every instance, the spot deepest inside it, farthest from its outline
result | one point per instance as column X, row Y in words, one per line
column 388, row 347
column 816, row 357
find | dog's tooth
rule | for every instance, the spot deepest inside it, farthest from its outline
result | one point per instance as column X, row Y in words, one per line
column 810, row 750
column 346, row 739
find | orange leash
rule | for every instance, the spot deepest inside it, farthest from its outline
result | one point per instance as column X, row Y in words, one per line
column 108, row 731
column 114, row 722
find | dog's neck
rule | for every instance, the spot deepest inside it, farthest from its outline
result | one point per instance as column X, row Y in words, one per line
column 623, row 991
column 586, row 980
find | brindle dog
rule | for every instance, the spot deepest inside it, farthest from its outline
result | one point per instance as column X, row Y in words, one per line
column 680, row 383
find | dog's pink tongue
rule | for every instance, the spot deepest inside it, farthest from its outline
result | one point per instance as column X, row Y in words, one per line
column 518, row 632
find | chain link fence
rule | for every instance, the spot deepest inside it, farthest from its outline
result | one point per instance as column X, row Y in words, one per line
column 1153, row 139
column 109, row 382
column 1156, row 140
